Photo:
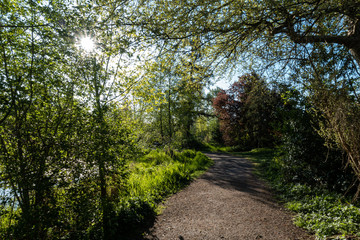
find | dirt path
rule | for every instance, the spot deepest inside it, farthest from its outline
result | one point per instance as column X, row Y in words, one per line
column 228, row 202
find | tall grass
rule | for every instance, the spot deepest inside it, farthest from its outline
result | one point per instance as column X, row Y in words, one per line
column 159, row 174
column 155, row 182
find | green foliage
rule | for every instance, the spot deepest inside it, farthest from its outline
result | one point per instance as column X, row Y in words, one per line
column 306, row 159
column 156, row 157
column 150, row 179
column 311, row 43
column 156, row 181
column 132, row 213
column 180, row 80
column 326, row 215
column 158, row 174
column 67, row 118
column 9, row 217
column 63, row 140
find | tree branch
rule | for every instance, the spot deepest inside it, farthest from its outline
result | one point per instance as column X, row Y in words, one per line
column 347, row 41
column 23, row 26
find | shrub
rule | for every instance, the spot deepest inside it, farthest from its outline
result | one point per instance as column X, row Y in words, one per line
column 134, row 212
column 156, row 157
column 304, row 158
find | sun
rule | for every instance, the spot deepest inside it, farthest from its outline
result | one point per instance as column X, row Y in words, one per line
column 87, row 44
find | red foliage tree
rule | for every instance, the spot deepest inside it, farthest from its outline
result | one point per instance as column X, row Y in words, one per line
column 246, row 111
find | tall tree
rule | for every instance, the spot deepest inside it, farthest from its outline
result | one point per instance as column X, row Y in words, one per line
column 38, row 110
column 179, row 79
column 247, row 112
column 61, row 138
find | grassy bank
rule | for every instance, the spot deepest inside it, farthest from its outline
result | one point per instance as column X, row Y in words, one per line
column 329, row 215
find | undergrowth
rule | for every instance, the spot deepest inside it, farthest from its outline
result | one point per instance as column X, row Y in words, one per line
column 327, row 214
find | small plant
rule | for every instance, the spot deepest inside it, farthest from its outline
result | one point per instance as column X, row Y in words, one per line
column 326, row 215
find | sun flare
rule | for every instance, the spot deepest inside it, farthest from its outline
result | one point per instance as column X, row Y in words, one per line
column 87, row 44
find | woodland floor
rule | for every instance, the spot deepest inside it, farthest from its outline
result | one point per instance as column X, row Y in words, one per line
column 227, row 202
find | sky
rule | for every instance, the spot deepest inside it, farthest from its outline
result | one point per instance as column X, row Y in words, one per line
column 226, row 80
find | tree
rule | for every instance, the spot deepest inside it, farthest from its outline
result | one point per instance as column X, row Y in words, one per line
column 334, row 95
column 62, row 137
column 247, row 112
column 38, row 110
column 227, row 107
column 232, row 26
column 177, row 82
column 106, row 82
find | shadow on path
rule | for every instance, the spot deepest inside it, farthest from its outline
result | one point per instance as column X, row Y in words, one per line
column 236, row 173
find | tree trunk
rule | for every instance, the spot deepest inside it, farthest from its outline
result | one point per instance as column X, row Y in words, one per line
column 101, row 156
column 169, row 111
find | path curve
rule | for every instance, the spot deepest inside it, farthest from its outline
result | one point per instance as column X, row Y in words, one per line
column 227, row 202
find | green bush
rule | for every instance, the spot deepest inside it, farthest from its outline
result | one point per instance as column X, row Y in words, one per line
column 185, row 156
column 157, row 181
column 134, row 212
column 305, row 158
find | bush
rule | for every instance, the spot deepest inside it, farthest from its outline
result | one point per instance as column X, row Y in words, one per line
column 184, row 156
column 156, row 157
column 304, row 158
column 133, row 213
column 157, row 181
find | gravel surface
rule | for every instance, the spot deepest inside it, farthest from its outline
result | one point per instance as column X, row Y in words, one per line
column 227, row 202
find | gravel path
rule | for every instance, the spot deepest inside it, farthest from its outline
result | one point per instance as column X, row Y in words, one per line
column 227, row 202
